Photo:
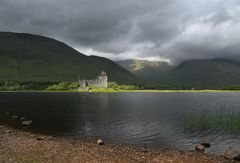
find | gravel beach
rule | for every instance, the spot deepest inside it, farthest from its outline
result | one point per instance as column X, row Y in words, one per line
column 19, row 146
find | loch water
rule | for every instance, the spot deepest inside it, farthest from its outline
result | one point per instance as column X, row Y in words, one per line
column 161, row 120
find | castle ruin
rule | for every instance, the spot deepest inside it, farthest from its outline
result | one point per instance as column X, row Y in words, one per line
column 101, row 81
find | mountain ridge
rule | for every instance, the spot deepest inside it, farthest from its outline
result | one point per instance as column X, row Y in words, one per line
column 30, row 57
column 206, row 72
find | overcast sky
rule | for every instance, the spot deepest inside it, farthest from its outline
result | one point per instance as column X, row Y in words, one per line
column 171, row 30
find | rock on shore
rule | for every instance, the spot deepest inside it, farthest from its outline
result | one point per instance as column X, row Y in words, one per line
column 232, row 153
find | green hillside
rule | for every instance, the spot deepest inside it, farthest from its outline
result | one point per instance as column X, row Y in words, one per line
column 27, row 57
column 204, row 73
column 215, row 72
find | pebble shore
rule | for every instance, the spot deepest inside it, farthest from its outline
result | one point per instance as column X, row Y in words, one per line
column 19, row 146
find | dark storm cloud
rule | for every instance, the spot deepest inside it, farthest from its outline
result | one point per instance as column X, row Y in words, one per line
column 174, row 30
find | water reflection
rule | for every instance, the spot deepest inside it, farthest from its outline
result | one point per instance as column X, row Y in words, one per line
column 164, row 120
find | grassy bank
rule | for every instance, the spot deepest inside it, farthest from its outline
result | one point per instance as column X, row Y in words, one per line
column 110, row 90
column 58, row 86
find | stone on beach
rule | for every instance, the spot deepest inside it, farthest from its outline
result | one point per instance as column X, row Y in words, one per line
column 232, row 153
column 26, row 123
column 200, row 148
column 22, row 118
column 40, row 138
column 237, row 158
column 8, row 131
column 100, row 142
column 205, row 143
column 14, row 116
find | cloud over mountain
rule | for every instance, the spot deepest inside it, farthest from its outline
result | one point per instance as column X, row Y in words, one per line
column 173, row 30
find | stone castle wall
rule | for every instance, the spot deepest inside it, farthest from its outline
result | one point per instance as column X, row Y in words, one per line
column 101, row 81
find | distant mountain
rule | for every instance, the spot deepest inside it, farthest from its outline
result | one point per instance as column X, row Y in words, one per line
column 145, row 69
column 214, row 72
column 27, row 57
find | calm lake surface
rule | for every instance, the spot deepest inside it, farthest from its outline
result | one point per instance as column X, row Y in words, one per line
column 162, row 120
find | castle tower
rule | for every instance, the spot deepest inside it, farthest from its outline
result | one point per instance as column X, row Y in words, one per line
column 83, row 83
column 103, row 79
